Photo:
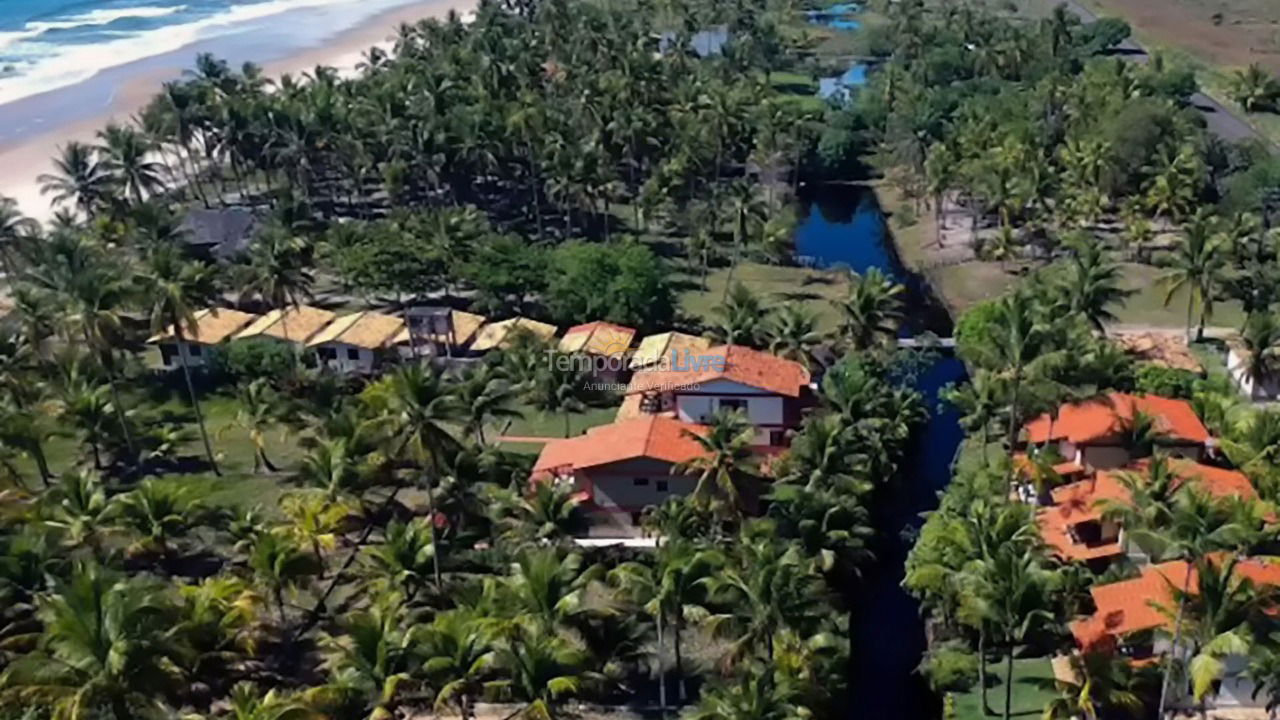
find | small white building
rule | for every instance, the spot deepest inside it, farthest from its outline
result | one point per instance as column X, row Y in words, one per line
column 213, row 326
column 354, row 343
column 691, row 386
column 1265, row 388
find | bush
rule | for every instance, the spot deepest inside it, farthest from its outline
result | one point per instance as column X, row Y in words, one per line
column 950, row 667
column 252, row 359
column 1167, row 382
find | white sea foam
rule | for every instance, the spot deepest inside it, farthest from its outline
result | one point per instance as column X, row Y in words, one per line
column 95, row 17
column 70, row 64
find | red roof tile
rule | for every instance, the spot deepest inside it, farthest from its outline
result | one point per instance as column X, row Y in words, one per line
column 1106, row 418
column 654, row 437
column 1134, row 605
column 735, row 363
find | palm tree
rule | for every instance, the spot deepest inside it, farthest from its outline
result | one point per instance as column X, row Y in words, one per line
column 246, row 702
column 1100, row 685
column 1015, row 590
column 331, row 467
column 1021, row 345
column 670, row 590
column 560, row 387
column 757, row 696
column 158, row 514
column 15, row 228
column 80, row 178
column 725, row 464
column 487, row 397
column 548, row 512
column 1196, row 268
column 278, row 564
column 109, row 647
column 373, row 655
column 174, row 288
column 314, row 521
column 766, row 589
column 872, row 311
column 1261, row 339
column 76, row 506
column 1092, row 285
column 419, row 405
column 279, row 269
column 979, row 404
column 456, row 654
column 741, row 318
column 793, row 334
column 405, row 558
column 125, row 159
column 257, row 410
column 539, row 671
column 546, row 587
column 1254, row 89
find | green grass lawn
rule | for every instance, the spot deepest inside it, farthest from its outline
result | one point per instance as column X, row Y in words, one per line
column 1028, row 697
column 539, row 424
column 776, row 283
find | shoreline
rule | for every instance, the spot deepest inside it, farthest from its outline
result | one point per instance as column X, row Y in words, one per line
column 25, row 159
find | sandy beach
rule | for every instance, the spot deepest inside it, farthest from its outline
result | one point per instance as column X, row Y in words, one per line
column 23, row 160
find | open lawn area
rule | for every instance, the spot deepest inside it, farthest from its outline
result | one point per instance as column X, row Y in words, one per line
column 551, row 425
column 1029, row 696
column 776, row 283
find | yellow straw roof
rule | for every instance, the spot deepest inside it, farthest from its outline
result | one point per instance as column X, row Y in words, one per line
column 369, row 330
column 655, row 347
column 499, row 334
column 598, row 338
column 213, row 325
column 294, row 324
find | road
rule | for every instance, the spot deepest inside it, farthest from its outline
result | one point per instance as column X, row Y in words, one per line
column 1218, row 119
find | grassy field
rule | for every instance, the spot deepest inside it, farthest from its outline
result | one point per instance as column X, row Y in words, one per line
column 540, row 424
column 1029, row 697
column 776, row 283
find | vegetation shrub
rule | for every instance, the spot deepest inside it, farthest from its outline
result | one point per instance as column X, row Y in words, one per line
column 252, row 359
column 1168, row 382
column 950, row 667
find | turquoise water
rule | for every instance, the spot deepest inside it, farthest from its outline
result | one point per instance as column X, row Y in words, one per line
column 47, row 45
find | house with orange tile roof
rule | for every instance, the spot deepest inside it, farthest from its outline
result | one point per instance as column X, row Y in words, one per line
column 213, row 327
column 1074, row 528
column 1135, row 617
column 693, row 385
column 1092, row 433
column 623, row 468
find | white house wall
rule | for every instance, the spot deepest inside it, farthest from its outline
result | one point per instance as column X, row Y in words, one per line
column 184, row 352
column 343, row 362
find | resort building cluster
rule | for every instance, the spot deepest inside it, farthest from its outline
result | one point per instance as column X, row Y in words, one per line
column 670, row 384
column 1096, row 452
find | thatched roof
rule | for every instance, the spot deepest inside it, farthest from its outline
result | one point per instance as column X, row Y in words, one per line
column 598, row 338
column 368, row 330
column 499, row 334
column 1163, row 349
column 656, row 347
column 294, row 324
column 213, row 325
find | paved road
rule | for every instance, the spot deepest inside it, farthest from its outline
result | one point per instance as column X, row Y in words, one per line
column 1219, row 120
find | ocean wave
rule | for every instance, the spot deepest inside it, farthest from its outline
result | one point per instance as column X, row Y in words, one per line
column 70, row 64
column 104, row 16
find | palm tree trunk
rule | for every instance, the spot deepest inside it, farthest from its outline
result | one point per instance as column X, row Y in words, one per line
column 120, row 416
column 1008, row 681
column 431, row 523
column 1177, row 638
column 1013, row 415
column 662, row 671
column 982, row 668
column 195, row 401
column 682, row 695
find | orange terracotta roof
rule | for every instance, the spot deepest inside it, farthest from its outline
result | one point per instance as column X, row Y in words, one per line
column 598, row 338
column 654, row 437
column 1056, row 533
column 1217, row 482
column 734, row 363
column 1106, row 418
column 1134, row 605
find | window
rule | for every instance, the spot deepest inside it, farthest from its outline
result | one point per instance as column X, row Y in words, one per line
column 777, row 438
column 327, row 353
column 194, row 350
column 661, row 486
column 635, row 518
column 640, row 482
column 733, row 404
column 167, row 353
column 353, row 353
